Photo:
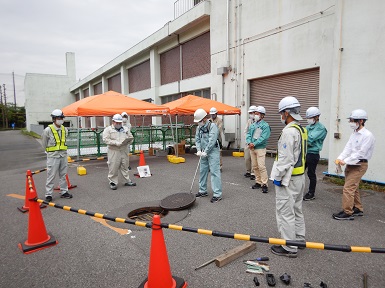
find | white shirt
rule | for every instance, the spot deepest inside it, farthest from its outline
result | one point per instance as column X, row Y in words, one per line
column 359, row 146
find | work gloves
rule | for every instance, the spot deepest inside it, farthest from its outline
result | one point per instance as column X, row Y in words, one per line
column 277, row 183
column 201, row 154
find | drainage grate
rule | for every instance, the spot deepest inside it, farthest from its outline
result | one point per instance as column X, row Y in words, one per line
column 146, row 213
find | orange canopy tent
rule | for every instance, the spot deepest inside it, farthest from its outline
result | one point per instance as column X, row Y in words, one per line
column 111, row 103
column 187, row 105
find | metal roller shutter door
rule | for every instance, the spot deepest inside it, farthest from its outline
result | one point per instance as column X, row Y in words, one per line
column 268, row 91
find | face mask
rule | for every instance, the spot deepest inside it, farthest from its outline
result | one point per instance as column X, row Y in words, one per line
column 353, row 125
column 310, row 121
column 251, row 116
column 125, row 120
column 118, row 126
column 59, row 122
column 283, row 121
column 200, row 124
column 257, row 118
column 213, row 116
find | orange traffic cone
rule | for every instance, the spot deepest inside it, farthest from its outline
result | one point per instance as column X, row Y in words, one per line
column 70, row 186
column 159, row 272
column 25, row 208
column 142, row 162
column 38, row 238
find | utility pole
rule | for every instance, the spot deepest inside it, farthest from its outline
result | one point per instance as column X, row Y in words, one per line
column 2, row 106
column 14, row 89
column 5, row 107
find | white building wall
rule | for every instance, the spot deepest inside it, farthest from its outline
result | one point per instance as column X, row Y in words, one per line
column 44, row 93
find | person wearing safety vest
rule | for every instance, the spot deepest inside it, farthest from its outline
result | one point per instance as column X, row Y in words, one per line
column 316, row 136
column 356, row 154
column 54, row 143
column 256, row 139
column 218, row 121
column 117, row 137
column 288, row 175
column 206, row 140
column 249, row 172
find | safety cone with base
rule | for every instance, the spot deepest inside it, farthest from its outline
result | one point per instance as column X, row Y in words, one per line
column 38, row 238
column 142, row 162
column 25, row 208
column 70, row 186
column 159, row 272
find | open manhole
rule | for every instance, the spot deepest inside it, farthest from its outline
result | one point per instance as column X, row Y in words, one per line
column 147, row 213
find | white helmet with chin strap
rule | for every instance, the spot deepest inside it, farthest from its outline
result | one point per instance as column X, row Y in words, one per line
column 358, row 114
column 290, row 104
column 252, row 109
column 261, row 110
column 312, row 112
column 124, row 114
column 57, row 113
column 213, row 110
column 199, row 114
column 117, row 118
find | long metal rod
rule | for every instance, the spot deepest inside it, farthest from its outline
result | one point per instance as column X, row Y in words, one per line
column 199, row 162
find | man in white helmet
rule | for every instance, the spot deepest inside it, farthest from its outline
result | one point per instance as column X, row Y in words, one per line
column 208, row 150
column 218, row 121
column 288, row 175
column 127, row 124
column 316, row 134
column 117, row 137
column 356, row 154
column 249, row 172
column 54, row 142
column 256, row 139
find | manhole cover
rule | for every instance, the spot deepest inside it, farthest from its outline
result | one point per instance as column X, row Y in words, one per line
column 146, row 213
column 178, row 201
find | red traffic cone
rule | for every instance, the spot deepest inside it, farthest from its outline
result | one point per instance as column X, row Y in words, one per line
column 25, row 208
column 38, row 238
column 159, row 272
column 70, row 186
column 142, row 162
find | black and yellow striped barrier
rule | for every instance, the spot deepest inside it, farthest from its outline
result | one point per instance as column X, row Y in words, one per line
column 244, row 237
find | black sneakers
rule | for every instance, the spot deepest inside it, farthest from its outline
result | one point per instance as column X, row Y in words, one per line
column 130, row 184
column 308, row 196
column 280, row 251
column 66, row 195
column 264, row 189
column 113, row 186
column 343, row 216
column 215, row 199
column 357, row 212
column 48, row 198
column 247, row 174
column 201, row 194
column 256, row 186
column 252, row 177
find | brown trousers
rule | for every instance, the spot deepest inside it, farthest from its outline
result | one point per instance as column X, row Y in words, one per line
column 350, row 195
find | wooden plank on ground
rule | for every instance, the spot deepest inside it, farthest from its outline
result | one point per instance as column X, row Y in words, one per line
column 234, row 253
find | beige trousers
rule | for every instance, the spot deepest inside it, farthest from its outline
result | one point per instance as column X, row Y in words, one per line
column 351, row 195
column 258, row 157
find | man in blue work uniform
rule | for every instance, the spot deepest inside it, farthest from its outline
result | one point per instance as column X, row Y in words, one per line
column 316, row 133
column 206, row 140
column 256, row 139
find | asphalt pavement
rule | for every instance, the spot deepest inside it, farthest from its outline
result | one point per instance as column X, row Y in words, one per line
column 91, row 253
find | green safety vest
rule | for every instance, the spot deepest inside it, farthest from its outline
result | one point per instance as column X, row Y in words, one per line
column 60, row 143
column 299, row 167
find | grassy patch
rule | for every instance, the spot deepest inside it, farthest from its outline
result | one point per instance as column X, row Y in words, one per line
column 363, row 185
column 32, row 134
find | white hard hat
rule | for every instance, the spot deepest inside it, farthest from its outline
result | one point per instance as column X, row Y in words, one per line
column 57, row 113
column 117, row 118
column 124, row 114
column 358, row 114
column 252, row 108
column 260, row 109
column 290, row 103
column 199, row 115
column 312, row 112
column 213, row 110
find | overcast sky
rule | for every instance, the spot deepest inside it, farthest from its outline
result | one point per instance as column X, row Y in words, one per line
column 36, row 34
